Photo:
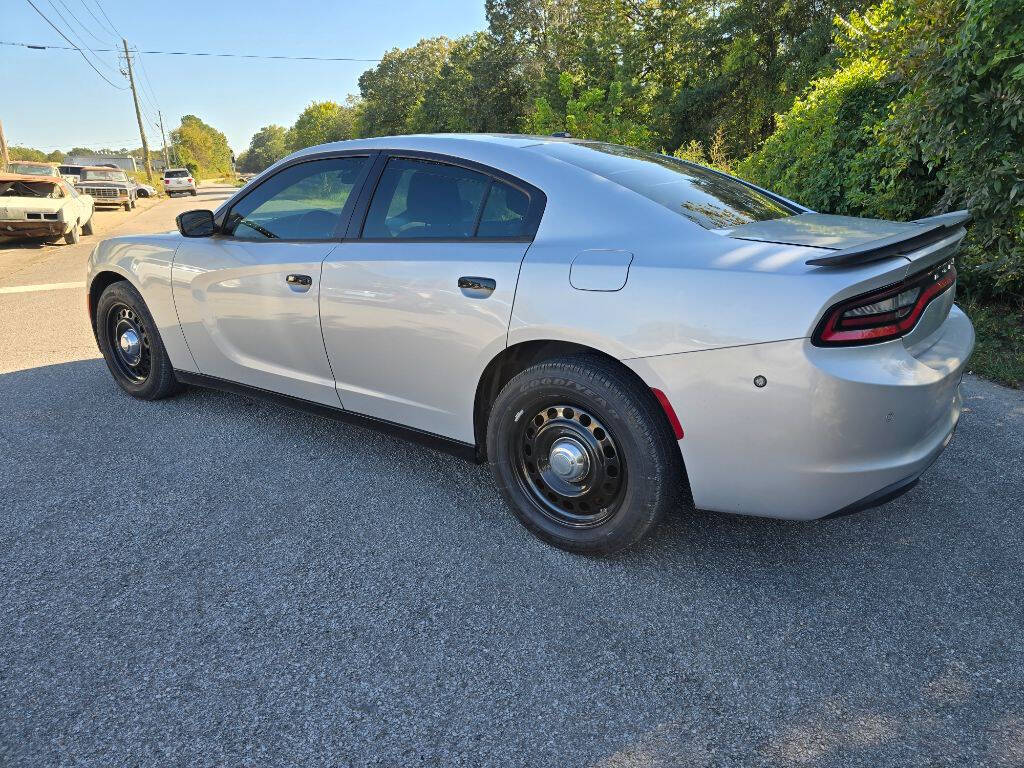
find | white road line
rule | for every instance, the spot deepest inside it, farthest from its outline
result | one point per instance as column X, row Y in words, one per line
column 44, row 287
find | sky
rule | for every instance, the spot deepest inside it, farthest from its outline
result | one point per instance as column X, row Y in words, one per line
column 53, row 100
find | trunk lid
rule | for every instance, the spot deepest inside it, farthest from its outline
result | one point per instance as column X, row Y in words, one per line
column 819, row 230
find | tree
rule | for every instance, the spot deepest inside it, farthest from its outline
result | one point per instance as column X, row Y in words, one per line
column 393, row 89
column 266, row 147
column 201, row 148
column 477, row 89
column 26, row 153
column 322, row 122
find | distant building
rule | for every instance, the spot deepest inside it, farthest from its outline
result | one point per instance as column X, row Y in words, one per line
column 124, row 162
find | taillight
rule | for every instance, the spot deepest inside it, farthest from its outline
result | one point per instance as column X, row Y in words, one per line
column 189, row 180
column 886, row 313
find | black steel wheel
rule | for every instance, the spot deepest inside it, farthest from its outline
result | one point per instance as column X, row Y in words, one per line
column 131, row 344
column 570, row 464
column 583, row 453
column 132, row 347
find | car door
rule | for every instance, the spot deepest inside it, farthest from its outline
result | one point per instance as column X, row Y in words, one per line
column 247, row 297
column 418, row 298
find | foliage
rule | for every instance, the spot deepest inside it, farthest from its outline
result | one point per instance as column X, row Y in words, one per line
column 925, row 114
column 999, row 353
column 201, row 148
column 392, row 91
column 319, row 123
column 36, row 155
column 266, row 147
column 593, row 113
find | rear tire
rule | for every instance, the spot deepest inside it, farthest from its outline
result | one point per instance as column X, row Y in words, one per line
column 583, row 454
column 72, row 237
column 131, row 344
column 194, row 193
column 128, row 206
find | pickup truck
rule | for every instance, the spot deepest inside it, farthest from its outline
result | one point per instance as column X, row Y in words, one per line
column 108, row 186
column 44, row 207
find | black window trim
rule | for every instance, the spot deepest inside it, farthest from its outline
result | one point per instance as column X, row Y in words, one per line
column 221, row 216
column 537, row 198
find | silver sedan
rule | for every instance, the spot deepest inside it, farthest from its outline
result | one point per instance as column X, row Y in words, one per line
column 618, row 333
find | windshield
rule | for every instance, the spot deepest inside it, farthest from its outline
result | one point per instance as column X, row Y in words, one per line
column 90, row 175
column 30, row 189
column 711, row 199
column 30, row 169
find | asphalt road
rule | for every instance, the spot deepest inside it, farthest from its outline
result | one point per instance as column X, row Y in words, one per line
column 214, row 581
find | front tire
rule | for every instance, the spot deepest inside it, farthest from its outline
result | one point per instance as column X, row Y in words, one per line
column 72, row 237
column 131, row 344
column 583, row 454
column 87, row 228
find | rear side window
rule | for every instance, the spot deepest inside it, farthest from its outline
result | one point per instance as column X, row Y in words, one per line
column 711, row 199
column 504, row 213
column 425, row 199
column 303, row 202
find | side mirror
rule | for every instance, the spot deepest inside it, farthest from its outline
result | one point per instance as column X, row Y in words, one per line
column 197, row 223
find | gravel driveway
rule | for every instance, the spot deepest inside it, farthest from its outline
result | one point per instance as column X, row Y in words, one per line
column 214, row 581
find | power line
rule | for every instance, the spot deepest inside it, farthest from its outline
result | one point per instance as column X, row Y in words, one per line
column 81, row 39
column 77, row 21
column 115, row 29
column 41, row 47
column 104, row 28
column 74, row 47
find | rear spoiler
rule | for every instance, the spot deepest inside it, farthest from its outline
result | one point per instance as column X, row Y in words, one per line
column 932, row 230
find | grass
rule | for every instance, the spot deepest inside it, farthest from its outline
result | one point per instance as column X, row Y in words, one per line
column 999, row 354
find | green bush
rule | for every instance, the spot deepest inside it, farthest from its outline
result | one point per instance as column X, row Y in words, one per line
column 925, row 114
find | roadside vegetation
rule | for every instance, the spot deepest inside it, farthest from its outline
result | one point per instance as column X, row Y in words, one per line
column 898, row 109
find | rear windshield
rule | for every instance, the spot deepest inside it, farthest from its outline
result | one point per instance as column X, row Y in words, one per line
column 175, row 174
column 74, row 170
column 711, row 199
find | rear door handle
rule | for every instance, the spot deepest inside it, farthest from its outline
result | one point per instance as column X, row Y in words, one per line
column 477, row 287
column 299, row 283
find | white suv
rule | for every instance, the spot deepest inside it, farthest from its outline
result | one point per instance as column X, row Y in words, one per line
column 179, row 180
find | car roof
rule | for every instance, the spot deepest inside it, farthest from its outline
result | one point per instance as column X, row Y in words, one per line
column 101, row 168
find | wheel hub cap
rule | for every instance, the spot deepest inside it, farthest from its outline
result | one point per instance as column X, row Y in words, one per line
column 131, row 346
column 568, row 459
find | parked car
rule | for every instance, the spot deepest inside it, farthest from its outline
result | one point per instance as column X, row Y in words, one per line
column 144, row 190
column 613, row 330
column 72, row 173
column 44, row 207
column 109, row 186
column 179, row 180
column 32, row 168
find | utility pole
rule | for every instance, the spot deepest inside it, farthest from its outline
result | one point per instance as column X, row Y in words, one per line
column 138, row 113
column 167, row 161
column 5, row 159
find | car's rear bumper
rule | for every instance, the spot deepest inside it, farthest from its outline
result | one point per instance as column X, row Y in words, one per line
column 833, row 430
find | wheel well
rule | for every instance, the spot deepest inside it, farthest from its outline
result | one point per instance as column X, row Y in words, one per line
column 507, row 364
column 99, row 284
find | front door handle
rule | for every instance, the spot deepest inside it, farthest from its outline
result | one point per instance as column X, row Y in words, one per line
column 299, row 283
column 477, row 287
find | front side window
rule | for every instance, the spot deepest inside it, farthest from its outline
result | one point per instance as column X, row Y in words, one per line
column 425, row 199
column 303, row 202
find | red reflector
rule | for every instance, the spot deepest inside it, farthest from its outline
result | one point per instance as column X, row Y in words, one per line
column 673, row 420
